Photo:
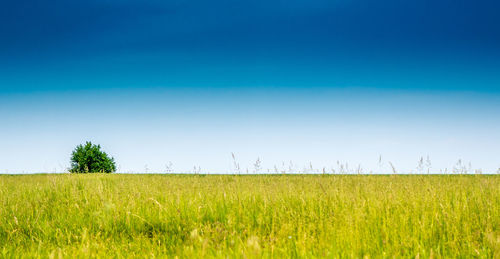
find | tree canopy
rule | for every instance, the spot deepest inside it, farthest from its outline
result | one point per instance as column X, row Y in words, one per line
column 89, row 158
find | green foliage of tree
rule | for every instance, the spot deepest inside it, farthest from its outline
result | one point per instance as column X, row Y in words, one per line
column 89, row 158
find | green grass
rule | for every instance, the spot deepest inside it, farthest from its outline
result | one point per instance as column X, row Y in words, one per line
column 249, row 216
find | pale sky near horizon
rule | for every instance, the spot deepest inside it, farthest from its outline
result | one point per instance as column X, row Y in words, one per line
column 312, row 82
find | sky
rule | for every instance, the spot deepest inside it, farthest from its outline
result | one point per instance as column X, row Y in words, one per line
column 292, row 83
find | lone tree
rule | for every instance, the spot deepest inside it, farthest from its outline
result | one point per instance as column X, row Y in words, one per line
column 89, row 158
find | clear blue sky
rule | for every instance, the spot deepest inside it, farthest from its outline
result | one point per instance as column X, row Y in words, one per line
column 302, row 81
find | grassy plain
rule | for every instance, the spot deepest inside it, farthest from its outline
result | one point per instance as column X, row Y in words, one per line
column 98, row 215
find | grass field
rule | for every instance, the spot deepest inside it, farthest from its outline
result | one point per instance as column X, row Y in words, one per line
column 196, row 216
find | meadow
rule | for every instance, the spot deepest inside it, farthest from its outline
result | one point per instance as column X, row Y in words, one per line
column 250, row 216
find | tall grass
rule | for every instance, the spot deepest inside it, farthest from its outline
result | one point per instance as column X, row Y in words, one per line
column 250, row 216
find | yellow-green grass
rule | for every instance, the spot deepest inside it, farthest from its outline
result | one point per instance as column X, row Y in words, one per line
column 99, row 215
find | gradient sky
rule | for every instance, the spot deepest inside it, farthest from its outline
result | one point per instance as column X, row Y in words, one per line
column 304, row 81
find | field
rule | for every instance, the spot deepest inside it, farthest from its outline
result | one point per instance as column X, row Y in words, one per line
column 99, row 215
